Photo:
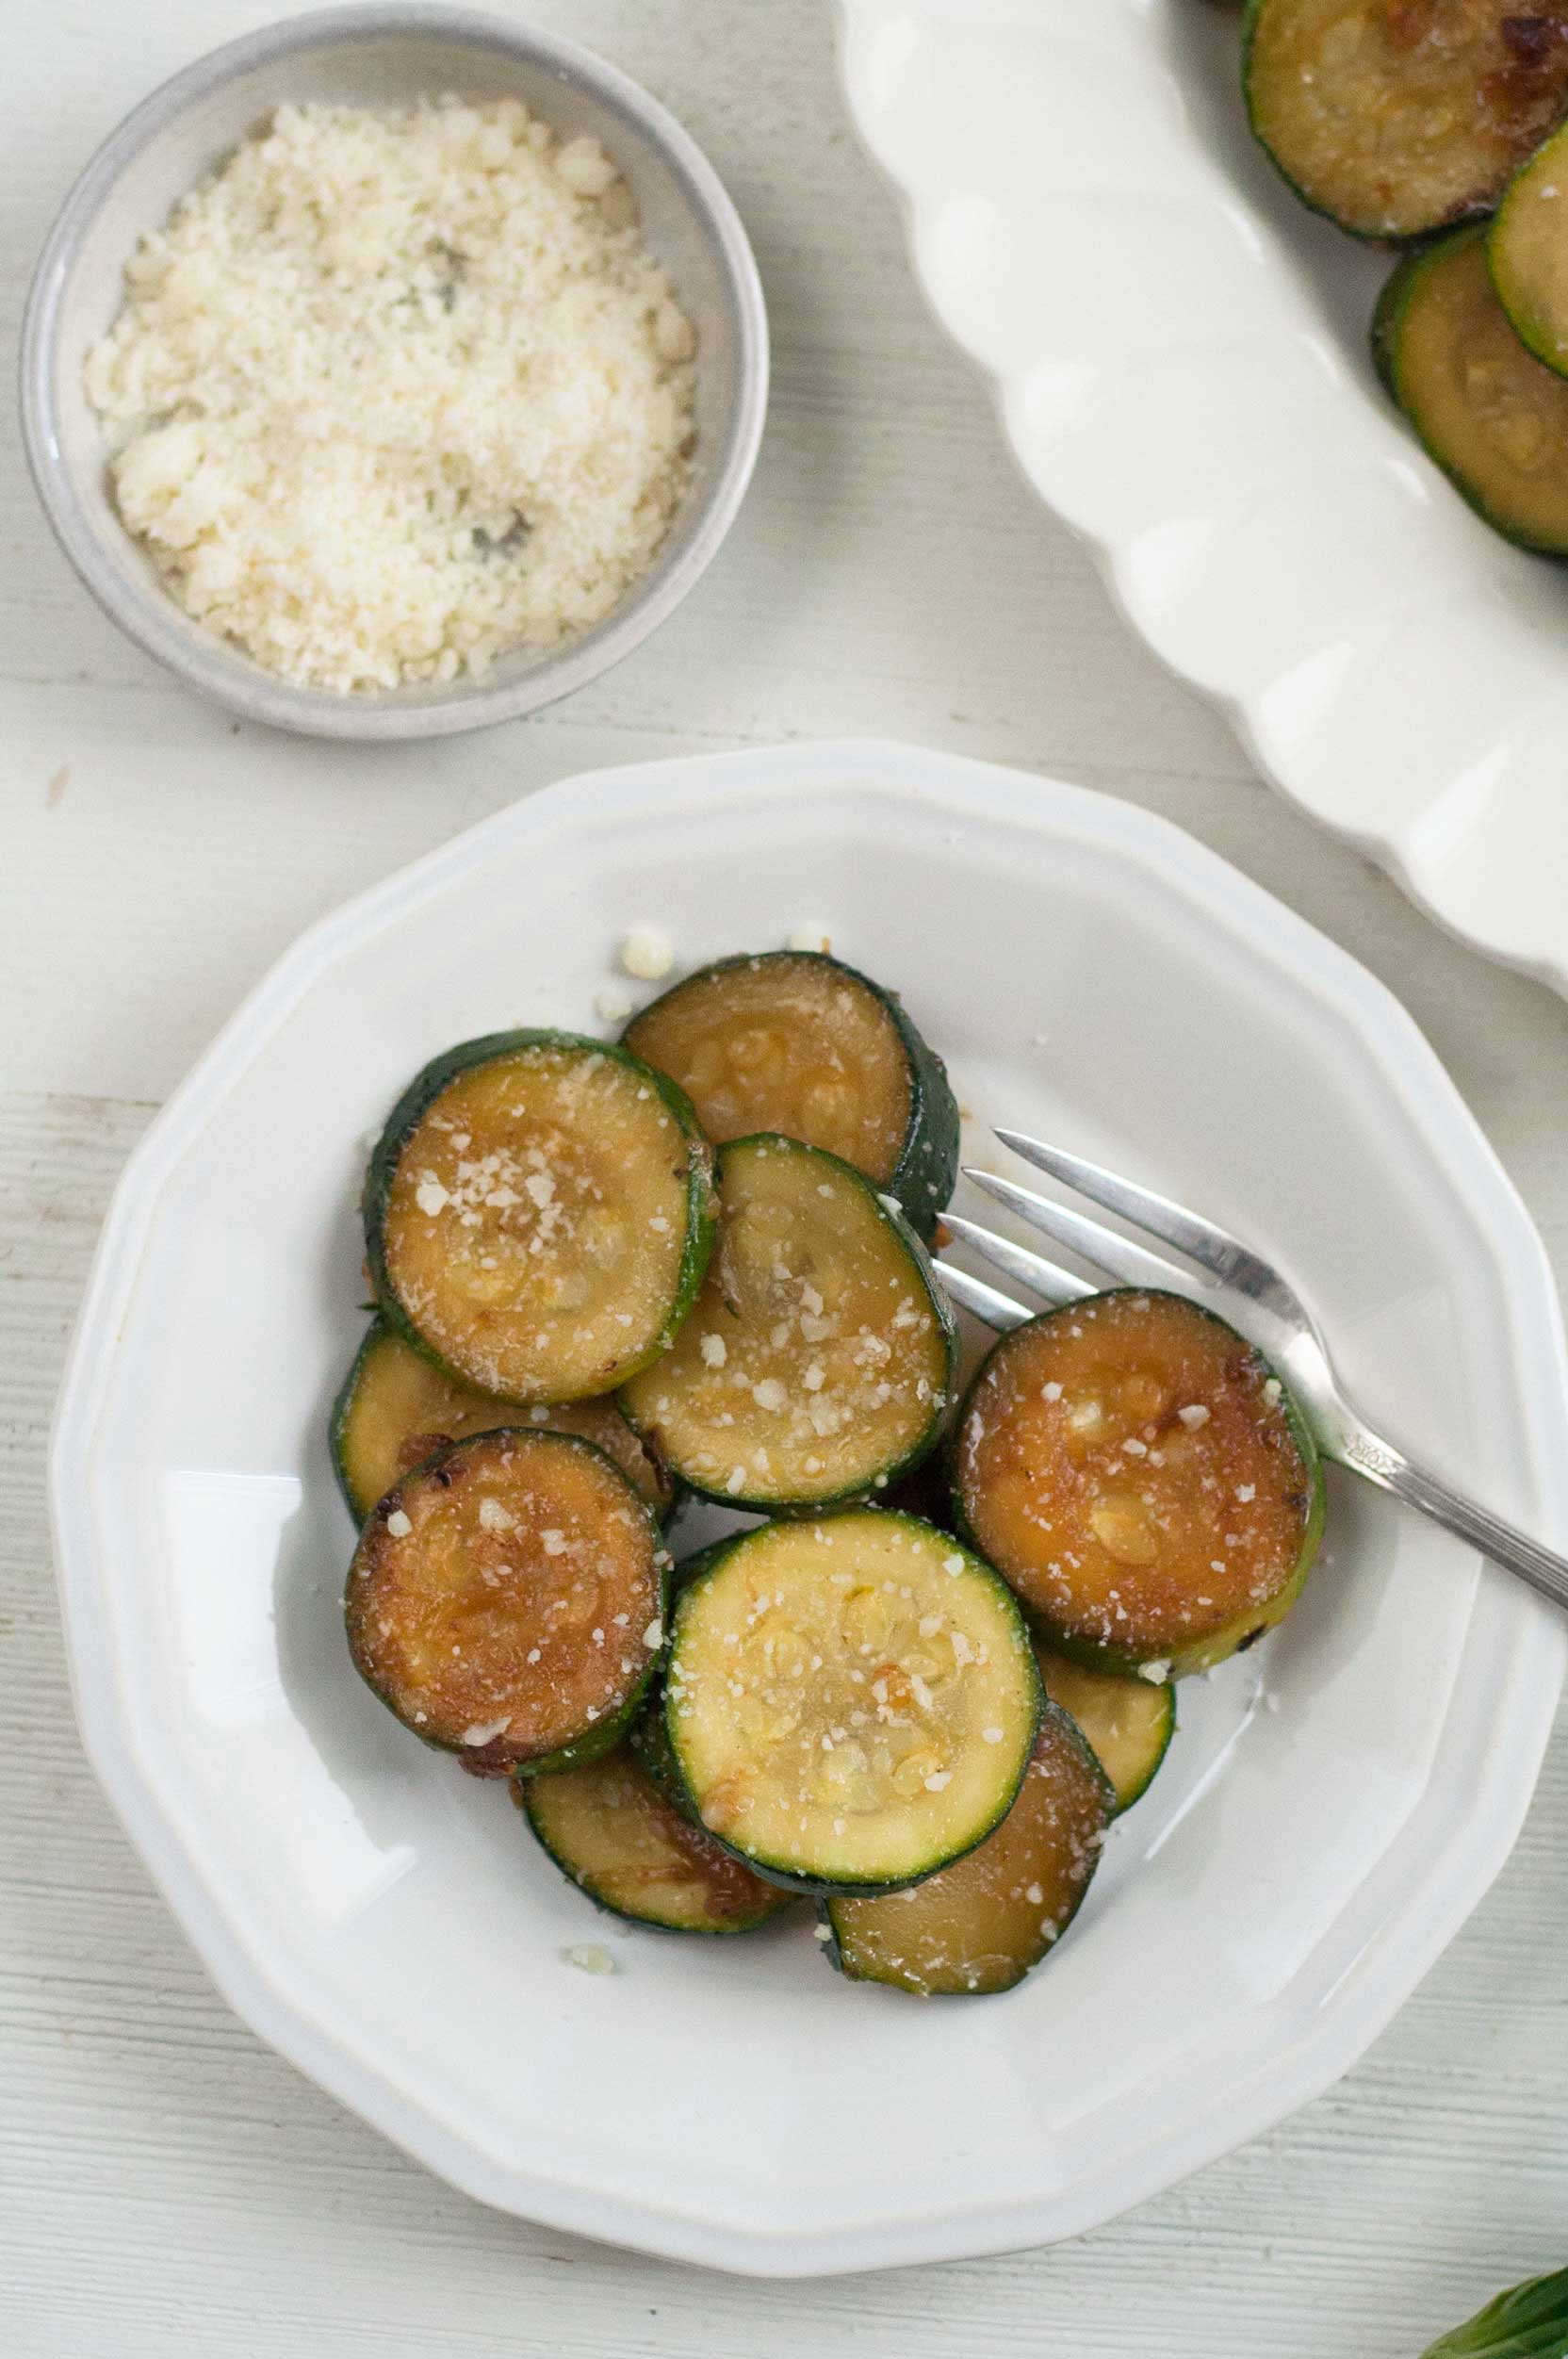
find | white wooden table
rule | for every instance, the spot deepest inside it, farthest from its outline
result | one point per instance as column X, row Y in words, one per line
column 166, row 2183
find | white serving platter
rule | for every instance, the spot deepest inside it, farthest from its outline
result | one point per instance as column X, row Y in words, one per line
column 1335, row 1802
column 1181, row 359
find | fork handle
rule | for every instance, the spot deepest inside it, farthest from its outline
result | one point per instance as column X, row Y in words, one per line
column 1501, row 1541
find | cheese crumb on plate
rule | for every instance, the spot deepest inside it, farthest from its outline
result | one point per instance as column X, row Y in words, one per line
column 647, row 953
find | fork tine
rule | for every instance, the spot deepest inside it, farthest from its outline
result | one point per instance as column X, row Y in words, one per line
column 1205, row 1242
column 1033, row 1270
column 1132, row 1265
column 982, row 1301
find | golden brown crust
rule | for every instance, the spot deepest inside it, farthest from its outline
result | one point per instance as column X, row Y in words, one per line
column 1129, row 1465
column 612, row 1830
column 980, row 1925
column 795, row 1044
column 1399, row 117
column 1489, row 412
column 403, row 1409
column 505, row 1601
column 536, row 1227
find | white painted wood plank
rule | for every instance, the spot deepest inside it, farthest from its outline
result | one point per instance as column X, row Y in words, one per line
column 165, row 2181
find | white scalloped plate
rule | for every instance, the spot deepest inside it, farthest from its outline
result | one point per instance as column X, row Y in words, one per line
column 1181, row 357
column 388, row 1924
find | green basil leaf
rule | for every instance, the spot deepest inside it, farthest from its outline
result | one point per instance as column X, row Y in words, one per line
column 1531, row 2321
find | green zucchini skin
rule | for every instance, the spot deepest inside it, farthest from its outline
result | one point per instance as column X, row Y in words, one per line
column 1251, row 18
column 1129, row 1789
column 930, row 1441
column 862, row 1490
column 1388, row 317
column 690, row 1568
column 649, row 1740
column 649, row 1737
column 1386, row 328
column 1549, row 164
column 1234, row 1637
column 1476, row 204
column 537, row 1795
column 997, row 1972
column 427, row 1083
column 1127, row 1796
column 606, row 1732
column 713, row 1561
column 1403, row 291
column 927, row 1172
column 380, row 1332
column 338, row 1422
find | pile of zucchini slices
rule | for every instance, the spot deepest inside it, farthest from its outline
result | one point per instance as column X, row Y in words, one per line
column 1439, row 126
column 611, row 1277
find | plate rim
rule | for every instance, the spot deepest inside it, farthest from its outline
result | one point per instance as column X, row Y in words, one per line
column 1402, row 1950
column 1392, row 850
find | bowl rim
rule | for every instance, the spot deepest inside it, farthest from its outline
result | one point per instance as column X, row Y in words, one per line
column 222, row 674
column 1435, row 1898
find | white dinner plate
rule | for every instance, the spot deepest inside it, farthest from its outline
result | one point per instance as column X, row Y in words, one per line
column 1180, row 356
column 1334, row 1803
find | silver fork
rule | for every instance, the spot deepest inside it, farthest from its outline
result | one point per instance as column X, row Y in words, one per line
column 1242, row 1288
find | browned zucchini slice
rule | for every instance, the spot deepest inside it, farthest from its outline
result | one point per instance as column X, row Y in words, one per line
column 849, row 1702
column 539, row 1214
column 1139, row 1475
column 506, row 1601
column 397, row 1408
column 795, row 1042
column 1527, row 251
column 1491, row 415
column 980, row 1926
column 1399, row 117
column 1127, row 1722
column 608, row 1827
column 817, row 1364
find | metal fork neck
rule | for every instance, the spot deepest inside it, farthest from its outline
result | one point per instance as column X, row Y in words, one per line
column 1498, row 1540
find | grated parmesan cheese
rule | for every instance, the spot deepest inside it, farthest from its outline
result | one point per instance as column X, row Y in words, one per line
column 647, row 953
column 397, row 392
column 611, row 1005
column 590, row 1957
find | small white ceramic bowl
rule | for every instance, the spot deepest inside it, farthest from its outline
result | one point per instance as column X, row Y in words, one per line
column 385, row 56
